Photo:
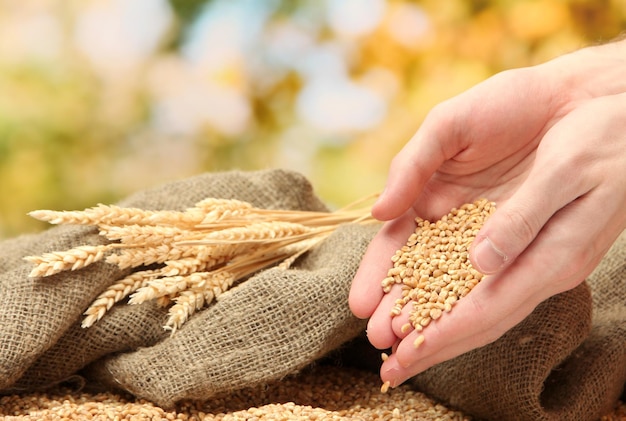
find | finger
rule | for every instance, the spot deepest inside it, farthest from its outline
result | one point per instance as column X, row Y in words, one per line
column 517, row 221
column 413, row 166
column 379, row 328
column 594, row 148
column 366, row 292
column 476, row 322
column 554, row 263
column 400, row 323
column 504, row 115
column 515, row 224
column 410, row 359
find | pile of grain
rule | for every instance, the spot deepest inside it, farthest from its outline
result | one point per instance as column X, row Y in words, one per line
column 321, row 393
column 433, row 266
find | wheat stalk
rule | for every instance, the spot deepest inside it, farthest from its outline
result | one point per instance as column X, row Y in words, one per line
column 200, row 252
column 77, row 258
column 116, row 293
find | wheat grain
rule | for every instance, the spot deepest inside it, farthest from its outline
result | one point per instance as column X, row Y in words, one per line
column 323, row 393
column 254, row 232
column 433, row 266
column 186, row 219
column 144, row 256
column 199, row 253
column 418, row 341
column 100, row 214
column 135, row 256
column 188, row 265
column 77, row 258
column 385, row 387
column 189, row 301
column 116, row 293
column 159, row 287
column 215, row 210
column 147, row 235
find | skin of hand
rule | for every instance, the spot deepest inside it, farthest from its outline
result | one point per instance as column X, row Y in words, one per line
column 546, row 143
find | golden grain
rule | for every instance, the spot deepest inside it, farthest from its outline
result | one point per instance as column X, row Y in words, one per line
column 433, row 266
column 100, row 214
column 418, row 341
column 147, row 234
column 186, row 304
column 254, row 232
column 324, row 393
column 385, row 387
column 188, row 265
column 77, row 258
column 200, row 252
column 143, row 256
column 215, row 210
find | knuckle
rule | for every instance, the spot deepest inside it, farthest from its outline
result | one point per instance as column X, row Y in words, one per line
column 486, row 321
column 446, row 116
column 563, row 166
column 440, row 113
column 570, row 268
column 522, row 225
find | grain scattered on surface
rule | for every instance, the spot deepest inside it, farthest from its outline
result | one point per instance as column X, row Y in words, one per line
column 618, row 414
column 321, row 393
column 385, row 387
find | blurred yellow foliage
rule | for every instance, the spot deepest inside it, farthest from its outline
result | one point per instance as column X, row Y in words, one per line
column 532, row 20
column 99, row 99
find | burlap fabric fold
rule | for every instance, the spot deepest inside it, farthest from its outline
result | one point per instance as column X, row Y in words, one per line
column 271, row 325
column 566, row 361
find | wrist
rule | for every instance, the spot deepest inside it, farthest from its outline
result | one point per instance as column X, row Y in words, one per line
column 592, row 71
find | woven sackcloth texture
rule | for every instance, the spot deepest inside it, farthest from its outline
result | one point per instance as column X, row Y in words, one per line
column 319, row 392
column 271, row 325
column 566, row 361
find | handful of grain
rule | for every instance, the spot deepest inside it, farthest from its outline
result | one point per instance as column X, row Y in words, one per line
column 187, row 259
column 434, row 267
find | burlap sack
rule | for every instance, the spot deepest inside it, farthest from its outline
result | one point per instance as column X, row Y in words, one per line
column 273, row 324
column 270, row 326
column 566, row 361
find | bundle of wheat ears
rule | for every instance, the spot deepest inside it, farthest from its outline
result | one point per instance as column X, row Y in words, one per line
column 187, row 259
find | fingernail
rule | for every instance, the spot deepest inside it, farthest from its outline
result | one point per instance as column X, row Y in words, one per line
column 392, row 375
column 487, row 257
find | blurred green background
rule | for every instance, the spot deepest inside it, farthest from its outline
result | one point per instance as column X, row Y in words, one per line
column 101, row 98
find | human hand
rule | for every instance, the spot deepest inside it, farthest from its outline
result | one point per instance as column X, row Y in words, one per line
column 548, row 145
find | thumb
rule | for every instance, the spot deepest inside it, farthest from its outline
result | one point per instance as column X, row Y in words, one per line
column 507, row 233
column 486, row 256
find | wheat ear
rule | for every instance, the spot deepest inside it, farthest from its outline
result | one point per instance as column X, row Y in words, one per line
column 207, row 288
column 77, row 258
column 116, row 293
column 199, row 253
